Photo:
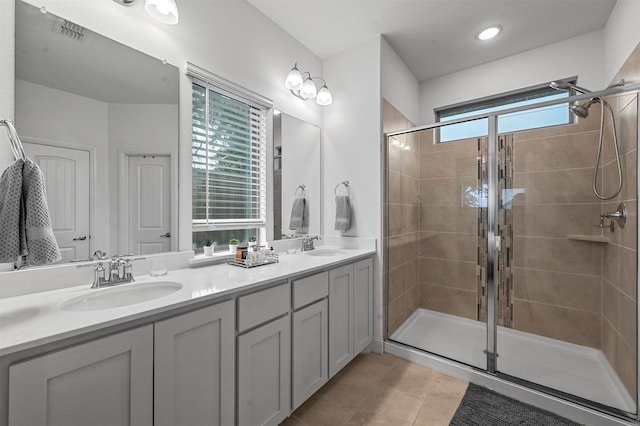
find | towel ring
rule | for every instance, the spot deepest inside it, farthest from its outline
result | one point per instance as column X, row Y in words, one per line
column 302, row 189
column 346, row 186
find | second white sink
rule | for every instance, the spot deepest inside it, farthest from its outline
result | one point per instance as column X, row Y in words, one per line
column 325, row 252
column 114, row 297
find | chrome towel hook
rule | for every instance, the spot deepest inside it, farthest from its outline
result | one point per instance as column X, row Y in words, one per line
column 303, row 190
column 346, row 186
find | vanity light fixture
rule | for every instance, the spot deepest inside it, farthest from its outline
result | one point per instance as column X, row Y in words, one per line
column 165, row 11
column 489, row 33
column 305, row 88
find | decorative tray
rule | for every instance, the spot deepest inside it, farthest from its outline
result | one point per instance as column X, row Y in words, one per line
column 271, row 258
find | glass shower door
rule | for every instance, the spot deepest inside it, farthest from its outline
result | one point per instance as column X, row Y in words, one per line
column 566, row 308
column 437, row 212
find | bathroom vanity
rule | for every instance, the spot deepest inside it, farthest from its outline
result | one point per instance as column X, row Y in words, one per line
column 226, row 346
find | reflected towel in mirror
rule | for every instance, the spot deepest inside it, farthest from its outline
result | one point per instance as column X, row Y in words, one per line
column 25, row 224
column 299, row 214
column 343, row 213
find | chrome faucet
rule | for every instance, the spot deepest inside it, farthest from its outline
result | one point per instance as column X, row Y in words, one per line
column 120, row 269
column 307, row 243
column 620, row 216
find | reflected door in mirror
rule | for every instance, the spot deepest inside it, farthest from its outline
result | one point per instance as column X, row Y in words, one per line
column 149, row 204
column 66, row 174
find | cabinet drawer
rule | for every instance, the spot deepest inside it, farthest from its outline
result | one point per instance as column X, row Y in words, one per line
column 262, row 306
column 310, row 289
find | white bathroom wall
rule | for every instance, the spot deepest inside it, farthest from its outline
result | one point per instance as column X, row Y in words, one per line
column 351, row 149
column 398, row 85
column 621, row 36
column 229, row 38
column 78, row 122
column 577, row 56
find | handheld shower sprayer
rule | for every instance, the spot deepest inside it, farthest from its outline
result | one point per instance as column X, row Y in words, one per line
column 582, row 111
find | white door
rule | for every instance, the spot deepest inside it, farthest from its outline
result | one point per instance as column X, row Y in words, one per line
column 66, row 174
column 149, row 204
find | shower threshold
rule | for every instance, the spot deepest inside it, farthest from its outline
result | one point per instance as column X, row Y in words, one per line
column 566, row 367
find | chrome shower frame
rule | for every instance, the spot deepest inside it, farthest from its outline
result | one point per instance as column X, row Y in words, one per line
column 585, row 411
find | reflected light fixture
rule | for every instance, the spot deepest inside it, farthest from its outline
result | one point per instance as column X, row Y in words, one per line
column 165, row 11
column 489, row 33
column 305, row 88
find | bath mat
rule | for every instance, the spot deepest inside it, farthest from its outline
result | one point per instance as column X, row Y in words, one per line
column 483, row 407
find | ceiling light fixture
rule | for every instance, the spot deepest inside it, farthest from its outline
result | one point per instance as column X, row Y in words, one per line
column 489, row 33
column 165, row 11
column 305, row 88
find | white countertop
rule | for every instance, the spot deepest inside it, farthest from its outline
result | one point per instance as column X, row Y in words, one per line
column 30, row 320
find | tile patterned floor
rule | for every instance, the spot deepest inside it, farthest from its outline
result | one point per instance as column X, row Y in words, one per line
column 380, row 390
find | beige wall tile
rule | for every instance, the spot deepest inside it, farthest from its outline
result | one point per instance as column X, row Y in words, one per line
column 628, row 319
column 449, row 273
column 629, row 234
column 451, row 246
column 396, row 219
column 448, row 300
column 557, row 254
column 628, row 272
column 446, row 191
column 395, row 187
column 556, row 220
column 611, row 263
column 450, row 163
column 397, row 251
column 570, row 151
column 412, row 218
column 569, row 325
column 397, row 282
column 610, row 303
column 610, row 343
column 556, row 186
column 460, row 219
column 627, row 371
column 576, row 291
column 413, row 272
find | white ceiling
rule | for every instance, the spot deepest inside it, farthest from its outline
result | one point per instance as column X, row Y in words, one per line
column 435, row 37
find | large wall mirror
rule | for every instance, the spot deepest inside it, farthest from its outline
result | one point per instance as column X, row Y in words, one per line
column 101, row 119
column 296, row 177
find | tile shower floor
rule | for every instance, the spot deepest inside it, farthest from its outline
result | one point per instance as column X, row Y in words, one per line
column 382, row 390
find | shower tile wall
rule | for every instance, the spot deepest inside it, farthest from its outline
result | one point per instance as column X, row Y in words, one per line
column 619, row 278
column 448, row 226
column 556, row 279
column 403, row 220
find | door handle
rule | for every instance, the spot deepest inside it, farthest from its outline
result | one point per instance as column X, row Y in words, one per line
column 167, row 235
column 80, row 238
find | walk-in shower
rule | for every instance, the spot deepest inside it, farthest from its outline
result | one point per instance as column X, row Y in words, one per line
column 500, row 257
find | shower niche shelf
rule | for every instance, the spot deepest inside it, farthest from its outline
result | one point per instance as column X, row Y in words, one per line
column 590, row 238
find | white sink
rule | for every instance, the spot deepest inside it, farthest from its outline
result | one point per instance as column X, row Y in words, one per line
column 114, row 297
column 325, row 252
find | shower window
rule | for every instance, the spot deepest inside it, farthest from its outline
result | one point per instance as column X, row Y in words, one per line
column 531, row 119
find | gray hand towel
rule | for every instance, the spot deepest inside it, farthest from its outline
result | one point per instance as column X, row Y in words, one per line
column 343, row 213
column 41, row 245
column 12, row 236
column 299, row 214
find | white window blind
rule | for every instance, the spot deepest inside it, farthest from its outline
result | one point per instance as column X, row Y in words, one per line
column 228, row 160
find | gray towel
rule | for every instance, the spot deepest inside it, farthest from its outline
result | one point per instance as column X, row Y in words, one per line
column 25, row 225
column 12, row 235
column 41, row 244
column 343, row 213
column 299, row 214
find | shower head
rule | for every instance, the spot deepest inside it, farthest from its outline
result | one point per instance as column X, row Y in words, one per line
column 565, row 85
column 582, row 110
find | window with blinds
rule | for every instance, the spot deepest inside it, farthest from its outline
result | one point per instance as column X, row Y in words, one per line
column 228, row 161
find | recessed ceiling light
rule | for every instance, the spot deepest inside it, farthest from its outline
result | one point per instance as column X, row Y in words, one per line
column 490, row 32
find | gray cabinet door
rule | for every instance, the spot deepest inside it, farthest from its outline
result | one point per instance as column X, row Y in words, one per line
column 310, row 351
column 340, row 318
column 264, row 374
column 362, row 304
column 194, row 367
column 108, row 381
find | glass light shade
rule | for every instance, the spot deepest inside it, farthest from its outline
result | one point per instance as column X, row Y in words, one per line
column 164, row 11
column 309, row 90
column 294, row 79
column 324, row 97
